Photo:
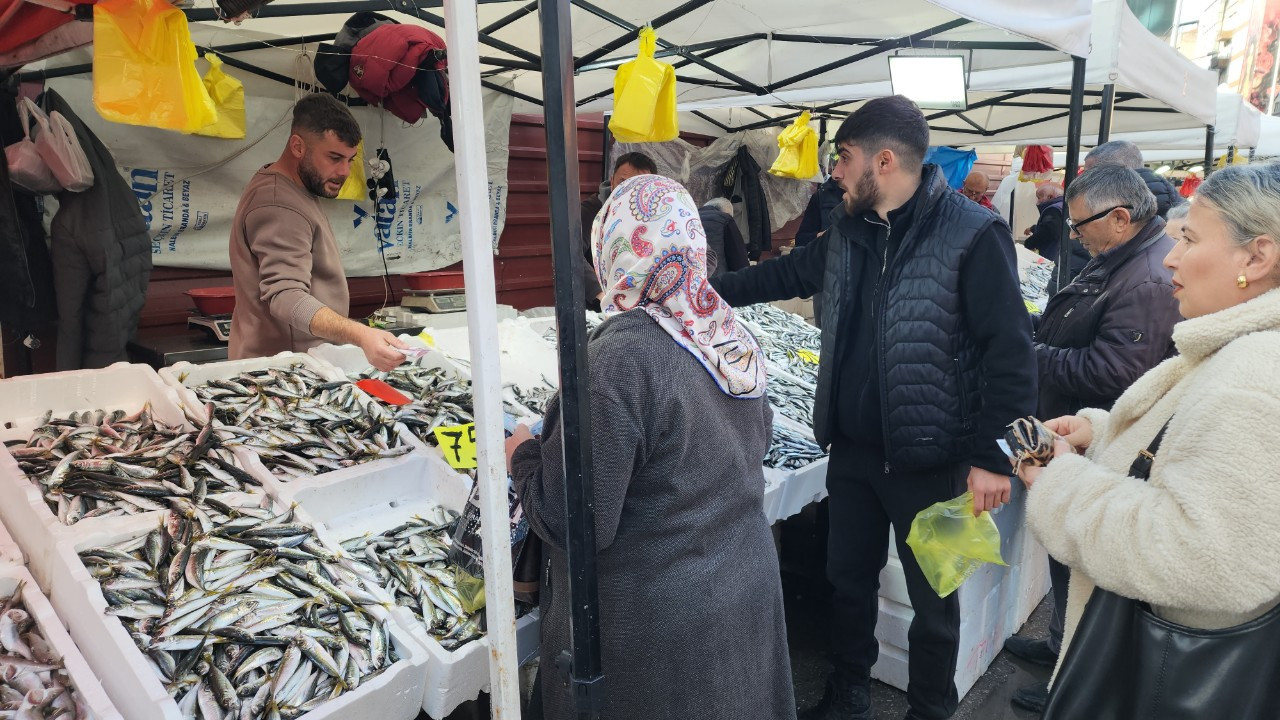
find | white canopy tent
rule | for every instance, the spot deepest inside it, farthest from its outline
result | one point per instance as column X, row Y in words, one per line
column 1156, row 89
column 1268, row 136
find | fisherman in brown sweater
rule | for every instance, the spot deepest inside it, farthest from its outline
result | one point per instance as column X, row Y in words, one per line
column 291, row 290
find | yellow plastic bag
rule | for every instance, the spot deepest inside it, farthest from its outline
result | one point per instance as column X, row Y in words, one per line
column 644, row 97
column 355, row 188
column 228, row 100
column 144, row 67
column 799, row 150
column 950, row 544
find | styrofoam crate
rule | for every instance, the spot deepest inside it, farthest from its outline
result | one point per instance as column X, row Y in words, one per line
column 10, row 553
column 132, row 684
column 184, row 376
column 383, row 499
column 774, row 486
column 804, row 486
column 86, row 684
column 23, row 402
column 994, row 602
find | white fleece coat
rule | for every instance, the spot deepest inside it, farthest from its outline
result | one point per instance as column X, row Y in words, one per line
column 1200, row 541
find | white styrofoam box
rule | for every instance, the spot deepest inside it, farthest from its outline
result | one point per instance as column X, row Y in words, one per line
column 446, row 321
column 184, row 376
column 994, row 602
column 775, row 482
column 51, row 628
column 805, row 485
column 132, row 684
column 10, row 553
column 381, row 500
column 24, row 400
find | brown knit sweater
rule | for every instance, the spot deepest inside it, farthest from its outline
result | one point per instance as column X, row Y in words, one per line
column 286, row 266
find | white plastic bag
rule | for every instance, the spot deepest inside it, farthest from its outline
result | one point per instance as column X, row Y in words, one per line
column 60, row 149
column 26, row 166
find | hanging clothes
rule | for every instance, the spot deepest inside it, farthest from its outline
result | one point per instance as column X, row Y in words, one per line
column 103, row 248
column 402, row 68
column 741, row 177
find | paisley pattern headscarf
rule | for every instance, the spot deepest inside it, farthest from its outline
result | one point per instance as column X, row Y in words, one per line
column 650, row 251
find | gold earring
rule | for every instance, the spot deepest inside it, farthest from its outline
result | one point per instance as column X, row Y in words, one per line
column 1242, row 282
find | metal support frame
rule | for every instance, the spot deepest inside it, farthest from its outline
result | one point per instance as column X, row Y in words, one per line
column 1208, row 150
column 882, row 46
column 506, row 20
column 583, row 662
column 1231, row 154
column 724, row 44
column 1108, row 104
column 329, row 7
column 740, row 83
column 1075, row 122
column 671, row 16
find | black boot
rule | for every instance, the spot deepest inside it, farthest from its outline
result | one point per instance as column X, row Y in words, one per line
column 1033, row 651
column 844, row 699
column 1031, row 697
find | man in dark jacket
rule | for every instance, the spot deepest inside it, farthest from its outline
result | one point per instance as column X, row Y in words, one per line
column 725, row 250
column 1126, row 154
column 1099, row 334
column 628, row 165
column 926, row 357
column 817, row 218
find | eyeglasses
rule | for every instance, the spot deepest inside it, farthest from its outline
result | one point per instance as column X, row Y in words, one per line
column 1075, row 226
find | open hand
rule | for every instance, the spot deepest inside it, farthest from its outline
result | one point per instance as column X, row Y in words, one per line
column 1077, row 431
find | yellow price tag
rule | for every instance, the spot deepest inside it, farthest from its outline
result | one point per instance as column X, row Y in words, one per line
column 1032, row 308
column 808, row 356
column 458, row 444
column 425, row 337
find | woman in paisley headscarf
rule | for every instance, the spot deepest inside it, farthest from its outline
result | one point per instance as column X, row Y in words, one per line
column 691, row 618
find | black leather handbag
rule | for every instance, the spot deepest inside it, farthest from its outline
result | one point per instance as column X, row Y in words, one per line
column 1124, row 663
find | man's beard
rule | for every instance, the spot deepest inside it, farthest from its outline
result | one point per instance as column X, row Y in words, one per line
column 314, row 182
column 864, row 196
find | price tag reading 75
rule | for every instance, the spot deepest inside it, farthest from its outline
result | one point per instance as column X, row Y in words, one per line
column 458, row 444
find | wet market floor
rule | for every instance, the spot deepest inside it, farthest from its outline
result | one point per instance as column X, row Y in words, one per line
column 807, row 604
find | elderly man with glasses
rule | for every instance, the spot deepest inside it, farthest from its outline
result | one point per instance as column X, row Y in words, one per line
column 1112, row 324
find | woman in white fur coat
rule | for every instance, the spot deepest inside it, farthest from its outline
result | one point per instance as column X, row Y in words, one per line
column 1200, row 541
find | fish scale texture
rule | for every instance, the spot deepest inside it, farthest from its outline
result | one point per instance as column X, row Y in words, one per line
column 691, row 611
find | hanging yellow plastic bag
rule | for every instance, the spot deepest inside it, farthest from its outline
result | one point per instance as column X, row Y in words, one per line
column 355, row 187
column 798, row 145
column 228, row 100
column 144, row 67
column 950, row 544
column 644, row 97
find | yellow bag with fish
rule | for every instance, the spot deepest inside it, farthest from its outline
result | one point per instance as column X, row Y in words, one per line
column 644, row 97
column 798, row 145
column 950, row 544
column 228, row 99
column 144, row 67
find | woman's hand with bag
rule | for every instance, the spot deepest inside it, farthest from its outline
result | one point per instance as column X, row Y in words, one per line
column 1030, row 473
column 1077, row 431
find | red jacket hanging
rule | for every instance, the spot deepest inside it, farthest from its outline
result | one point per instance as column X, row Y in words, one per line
column 385, row 63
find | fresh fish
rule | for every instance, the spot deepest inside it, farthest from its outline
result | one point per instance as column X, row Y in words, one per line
column 33, row 683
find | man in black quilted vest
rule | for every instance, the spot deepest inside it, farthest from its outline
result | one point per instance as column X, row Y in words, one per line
column 926, row 357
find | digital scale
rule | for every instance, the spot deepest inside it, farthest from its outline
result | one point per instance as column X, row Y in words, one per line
column 217, row 326
column 434, row 301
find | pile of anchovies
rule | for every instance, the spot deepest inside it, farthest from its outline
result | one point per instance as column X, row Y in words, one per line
column 792, row 397
column 440, row 399
column 782, row 335
column 791, row 450
column 413, row 567
column 300, row 424
column 34, row 685
column 1036, row 286
column 101, row 464
column 242, row 613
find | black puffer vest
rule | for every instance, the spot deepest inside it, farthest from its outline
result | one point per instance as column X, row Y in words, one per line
column 929, row 370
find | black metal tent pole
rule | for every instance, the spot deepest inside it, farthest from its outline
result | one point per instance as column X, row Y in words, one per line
column 1074, row 122
column 581, row 666
column 1108, row 105
column 1208, row 150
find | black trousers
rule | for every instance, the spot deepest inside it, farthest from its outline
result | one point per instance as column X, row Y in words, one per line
column 1060, row 576
column 866, row 497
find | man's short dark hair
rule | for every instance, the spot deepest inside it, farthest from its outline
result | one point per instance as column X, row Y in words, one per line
column 639, row 161
column 895, row 123
column 319, row 113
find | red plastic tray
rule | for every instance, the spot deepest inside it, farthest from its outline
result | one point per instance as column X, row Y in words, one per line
column 435, row 280
column 213, row 301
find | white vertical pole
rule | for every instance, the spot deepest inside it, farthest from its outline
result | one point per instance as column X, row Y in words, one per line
column 471, row 171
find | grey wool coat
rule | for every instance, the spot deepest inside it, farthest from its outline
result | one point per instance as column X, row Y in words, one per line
column 691, row 617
